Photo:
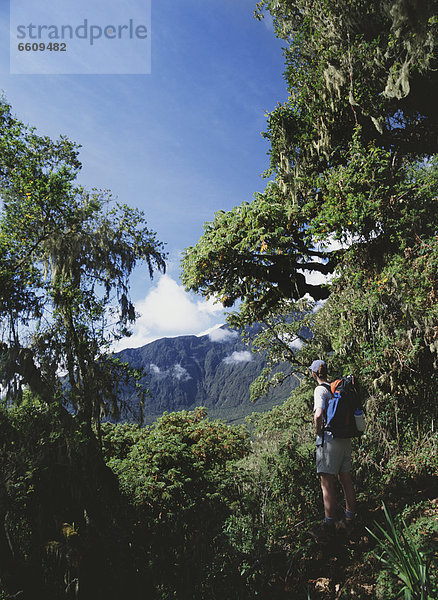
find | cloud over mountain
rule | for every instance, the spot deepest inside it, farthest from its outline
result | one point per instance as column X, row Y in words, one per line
column 169, row 311
column 236, row 357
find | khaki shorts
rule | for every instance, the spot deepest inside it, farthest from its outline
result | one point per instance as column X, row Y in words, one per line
column 334, row 456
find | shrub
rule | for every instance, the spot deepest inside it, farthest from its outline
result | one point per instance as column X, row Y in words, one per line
column 402, row 558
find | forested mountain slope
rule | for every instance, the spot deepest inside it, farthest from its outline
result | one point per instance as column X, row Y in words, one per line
column 214, row 370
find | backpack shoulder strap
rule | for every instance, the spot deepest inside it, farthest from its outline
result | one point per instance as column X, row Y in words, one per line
column 327, row 386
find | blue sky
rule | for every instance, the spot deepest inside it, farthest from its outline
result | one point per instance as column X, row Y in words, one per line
column 179, row 143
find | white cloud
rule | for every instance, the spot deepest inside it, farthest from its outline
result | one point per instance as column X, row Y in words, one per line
column 331, row 245
column 316, row 305
column 177, row 371
column 169, row 311
column 238, row 357
column 222, row 335
column 294, row 342
column 315, row 277
column 212, row 306
column 209, row 330
column 180, row 373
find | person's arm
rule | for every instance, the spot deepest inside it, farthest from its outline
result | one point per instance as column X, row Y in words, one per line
column 318, row 420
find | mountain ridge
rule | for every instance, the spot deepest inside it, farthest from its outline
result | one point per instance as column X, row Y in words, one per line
column 214, row 370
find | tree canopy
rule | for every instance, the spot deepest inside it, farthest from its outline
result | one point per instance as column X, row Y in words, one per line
column 256, row 252
column 353, row 196
column 350, row 63
column 66, row 255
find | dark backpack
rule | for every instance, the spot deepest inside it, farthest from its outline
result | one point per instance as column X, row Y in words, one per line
column 339, row 417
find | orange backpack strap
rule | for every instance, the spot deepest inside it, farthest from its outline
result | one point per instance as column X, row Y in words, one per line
column 334, row 385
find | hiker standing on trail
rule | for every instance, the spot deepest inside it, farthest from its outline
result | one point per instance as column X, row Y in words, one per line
column 333, row 459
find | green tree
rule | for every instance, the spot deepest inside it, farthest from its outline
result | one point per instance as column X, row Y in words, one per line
column 256, row 253
column 178, row 475
column 350, row 63
column 65, row 260
column 355, row 192
column 356, row 72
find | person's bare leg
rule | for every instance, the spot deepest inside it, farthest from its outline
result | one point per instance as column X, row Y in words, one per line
column 328, row 494
column 349, row 491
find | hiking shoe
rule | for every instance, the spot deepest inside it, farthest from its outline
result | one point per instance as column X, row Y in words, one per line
column 323, row 532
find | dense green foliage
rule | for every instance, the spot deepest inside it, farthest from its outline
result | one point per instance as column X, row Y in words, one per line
column 356, row 188
column 404, row 559
column 65, row 260
column 178, row 478
column 253, row 253
column 353, row 69
column 190, row 508
column 61, row 514
column 352, row 63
